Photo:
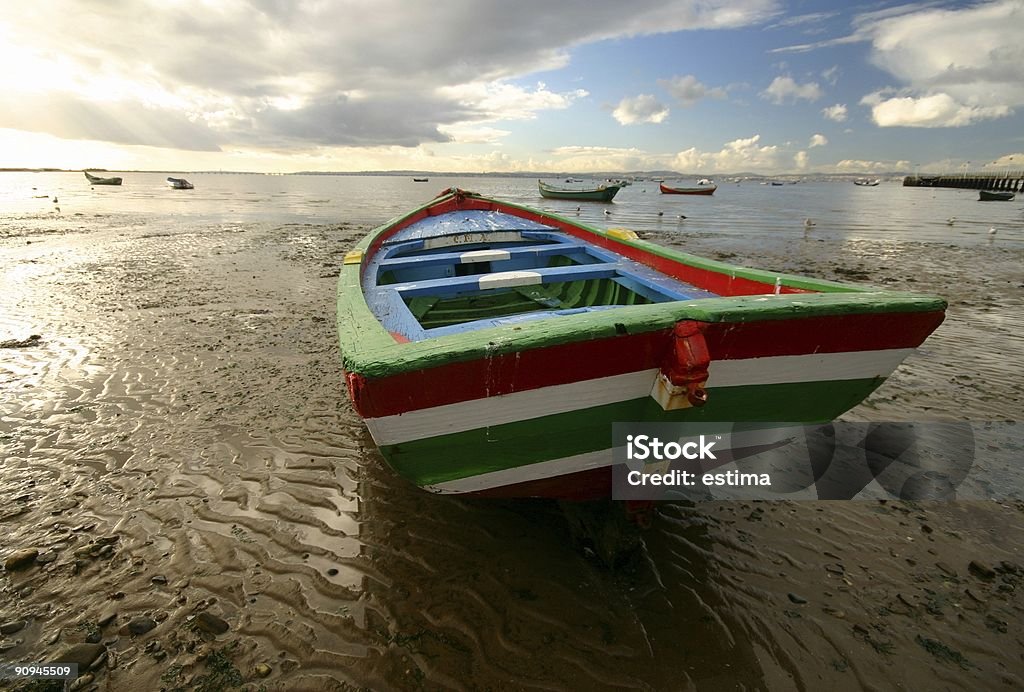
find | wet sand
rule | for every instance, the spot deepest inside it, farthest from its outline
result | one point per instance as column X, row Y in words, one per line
column 207, row 507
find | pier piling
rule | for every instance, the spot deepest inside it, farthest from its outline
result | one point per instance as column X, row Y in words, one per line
column 1011, row 181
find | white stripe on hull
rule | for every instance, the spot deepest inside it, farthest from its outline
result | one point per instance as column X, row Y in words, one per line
column 549, row 401
column 521, row 474
column 598, row 459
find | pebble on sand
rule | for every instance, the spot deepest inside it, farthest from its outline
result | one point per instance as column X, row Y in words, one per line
column 13, row 626
column 82, row 654
column 20, row 559
column 981, row 570
column 138, row 625
column 208, row 622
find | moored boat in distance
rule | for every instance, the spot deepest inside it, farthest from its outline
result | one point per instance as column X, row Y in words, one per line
column 701, row 189
column 97, row 180
column 995, row 196
column 489, row 347
column 179, row 183
column 866, row 182
column 598, row 193
column 421, row 180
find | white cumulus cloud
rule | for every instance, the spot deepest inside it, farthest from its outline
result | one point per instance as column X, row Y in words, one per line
column 817, row 140
column 936, row 110
column 957, row 66
column 688, row 90
column 644, row 108
column 836, row 112
column 783, row 89
column 743, row 154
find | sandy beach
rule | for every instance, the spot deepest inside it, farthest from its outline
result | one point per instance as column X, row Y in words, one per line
column 190, row 502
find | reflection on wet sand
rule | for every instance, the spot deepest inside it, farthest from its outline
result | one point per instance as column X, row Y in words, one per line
column 177, row 442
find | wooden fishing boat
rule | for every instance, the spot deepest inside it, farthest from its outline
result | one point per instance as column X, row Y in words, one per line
column 865, row 182
column 180, row 184
column 995, row 196
column 601, row 193
column 489, row 346
column 699, row 190
column 96, row 180
column 420, row 180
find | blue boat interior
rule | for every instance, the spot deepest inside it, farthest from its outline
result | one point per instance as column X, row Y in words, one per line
column 473, row 269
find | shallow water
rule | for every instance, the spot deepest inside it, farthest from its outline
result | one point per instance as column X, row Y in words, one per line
column 838, row 210
column 185, row 396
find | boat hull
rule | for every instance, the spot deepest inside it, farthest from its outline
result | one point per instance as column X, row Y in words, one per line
column 994, row 196
column 601, row 194
column 515, row 411
column 94, row 180
column 701, row 190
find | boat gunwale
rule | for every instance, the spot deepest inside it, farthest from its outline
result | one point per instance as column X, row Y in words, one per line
column 369, row 350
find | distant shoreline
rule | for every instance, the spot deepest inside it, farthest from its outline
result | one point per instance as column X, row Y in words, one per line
column 497, row 174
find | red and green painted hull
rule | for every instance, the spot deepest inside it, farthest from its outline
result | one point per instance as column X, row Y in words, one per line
column 528, row 411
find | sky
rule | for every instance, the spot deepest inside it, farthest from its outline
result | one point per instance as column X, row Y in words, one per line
column 693, row 86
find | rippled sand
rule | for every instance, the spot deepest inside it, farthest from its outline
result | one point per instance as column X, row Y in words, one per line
column 184, row 405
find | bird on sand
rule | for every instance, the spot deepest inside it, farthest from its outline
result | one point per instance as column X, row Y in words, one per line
column 661, row 213
column 951, row 220
column 992, row 231
column 809, row 222
column 682, row 216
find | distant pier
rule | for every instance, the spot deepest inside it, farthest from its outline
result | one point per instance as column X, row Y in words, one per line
column 1008, row 181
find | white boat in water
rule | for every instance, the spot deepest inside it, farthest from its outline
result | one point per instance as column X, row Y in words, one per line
column 180, row 184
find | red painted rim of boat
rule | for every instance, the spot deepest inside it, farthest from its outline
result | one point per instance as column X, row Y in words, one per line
column 584, row 360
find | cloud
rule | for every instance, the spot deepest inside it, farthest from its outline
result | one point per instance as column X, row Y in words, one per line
column 836, row 112
column 936, row 110
column 473, row 134
column 688, row 90
column 738, row 155
column 744, row 154
column 783, row 89
column 952, row 66
column 803, row 20
column 800, row 160
column 596, row 158
column 817, row 141
column 1007, row 161
column 322, row 73
column 503, row 101
column 958, row 66
column 70, row 117
column 831, row 75
column 861, row 166
column 640, row 109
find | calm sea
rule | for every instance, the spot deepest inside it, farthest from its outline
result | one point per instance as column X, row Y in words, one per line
column 837, row 210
